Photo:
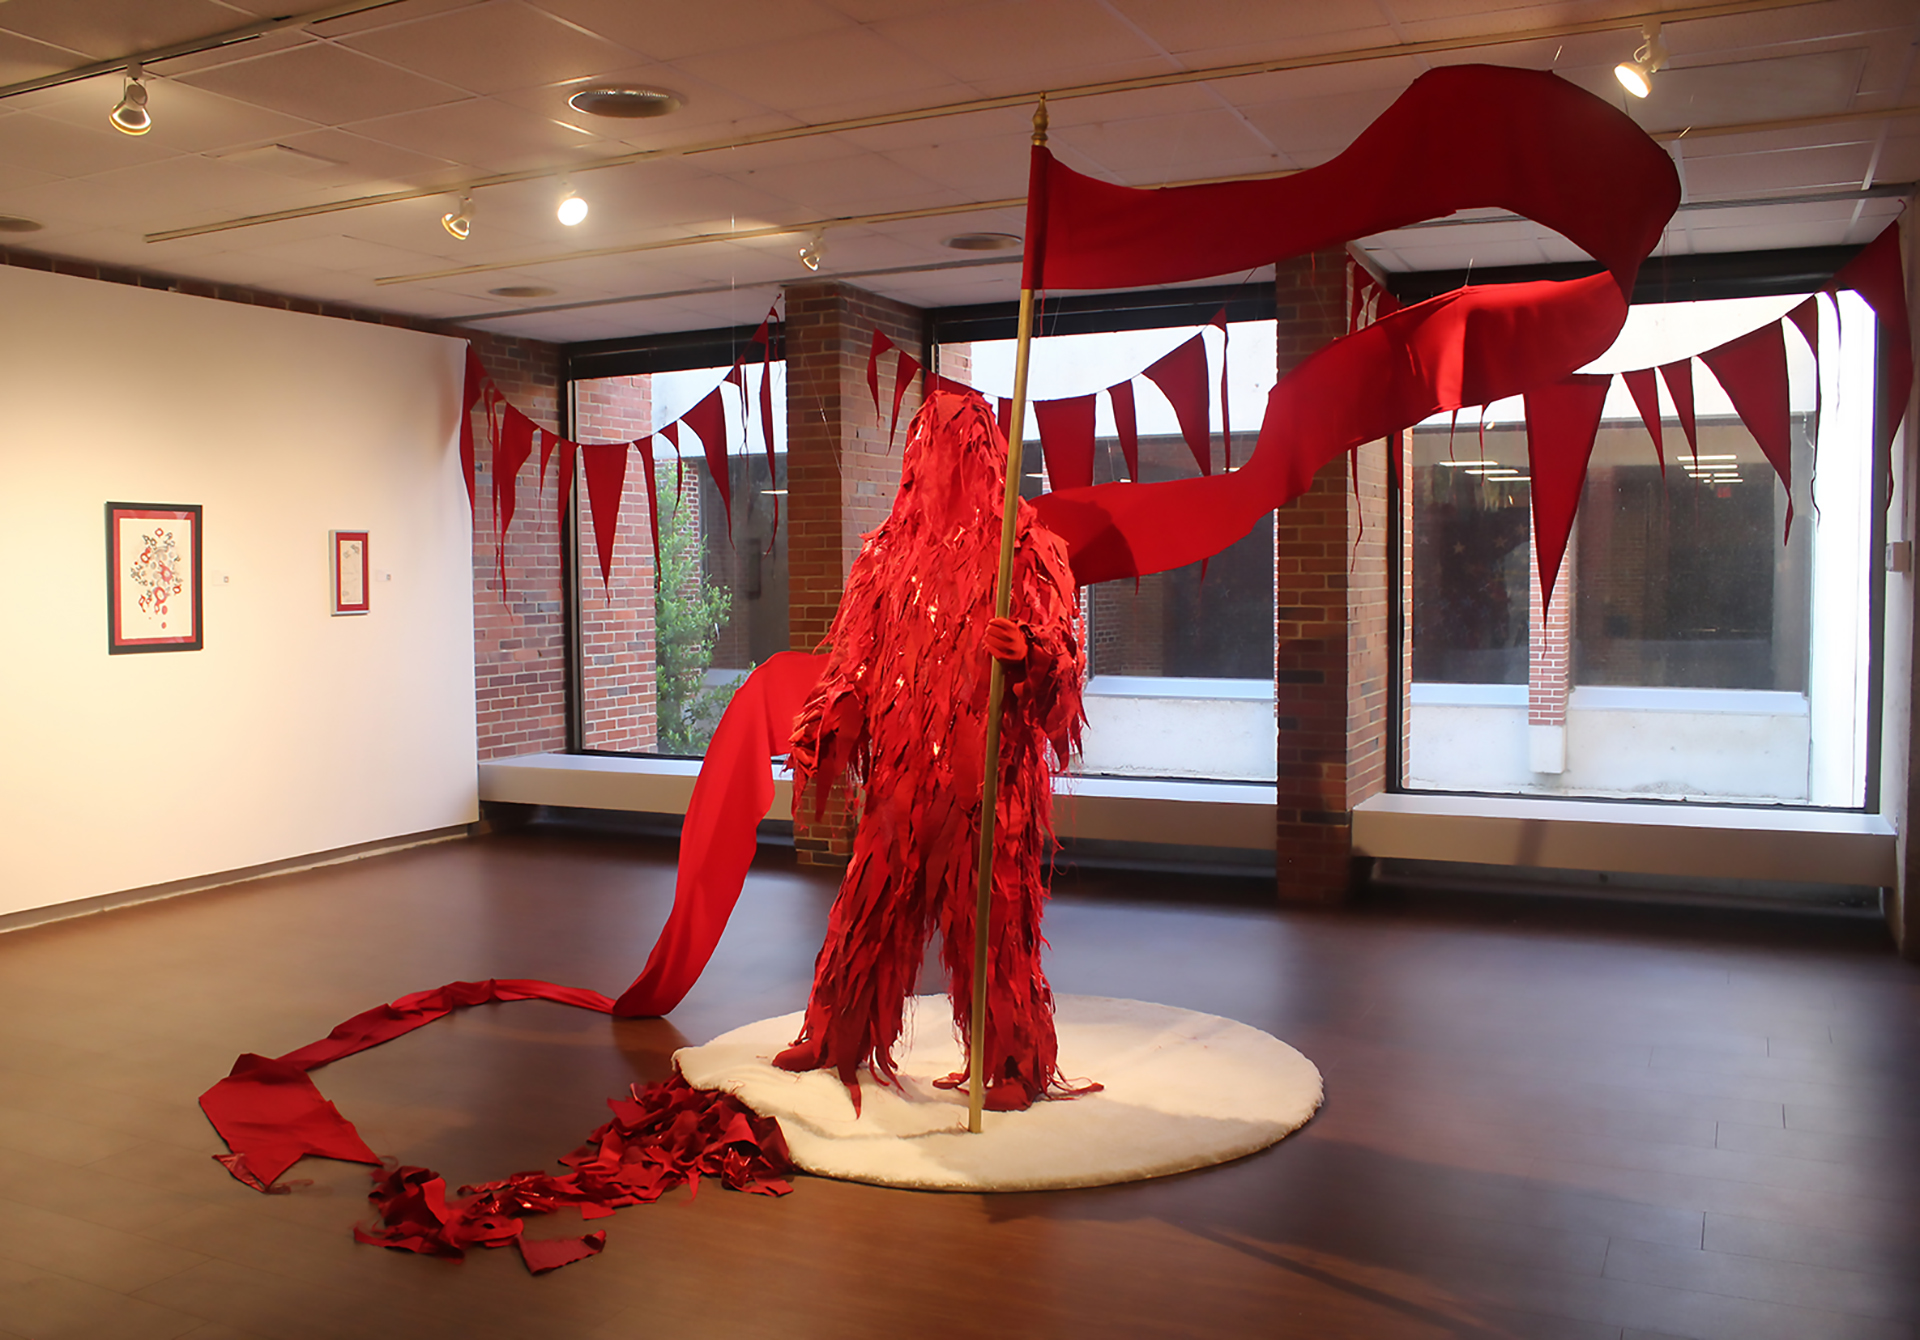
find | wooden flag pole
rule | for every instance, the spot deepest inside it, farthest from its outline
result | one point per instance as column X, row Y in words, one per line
column 996, row 692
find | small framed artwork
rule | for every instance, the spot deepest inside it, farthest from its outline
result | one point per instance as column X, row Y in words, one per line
column 349, row 549
column 153, row 577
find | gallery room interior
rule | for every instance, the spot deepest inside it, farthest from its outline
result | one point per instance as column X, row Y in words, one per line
column 463, row 400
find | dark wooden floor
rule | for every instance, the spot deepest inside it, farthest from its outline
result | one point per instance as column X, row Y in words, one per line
column 1545, row 1120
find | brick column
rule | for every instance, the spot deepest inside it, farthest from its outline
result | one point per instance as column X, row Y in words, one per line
column 1332, row 635
column 1549, row 647
column 841, row 471
column 616, row 616
column 518, row 635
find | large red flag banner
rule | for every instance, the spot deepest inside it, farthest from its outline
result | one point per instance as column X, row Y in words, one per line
column 1469, row 136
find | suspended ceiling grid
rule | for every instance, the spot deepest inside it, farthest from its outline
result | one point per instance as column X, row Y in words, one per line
column 434, row 94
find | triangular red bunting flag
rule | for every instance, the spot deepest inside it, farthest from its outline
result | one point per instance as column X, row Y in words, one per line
column 511, row 447
column 546, row 442
column 1126, row 426
column 942, row 382
column 1752, row 370
column 1562, row 420
column 1226, row 412
column 475, row 380
column 1679, row 380
column 1066, row 440
column 880, row 345
column 606, row 471
column 645, row 446
column 1646, row 395
column 1875, row 274
column 766, row 435
column 708, row 420
column 1806, row 317
column 904, row 368
column 1182, row 379
column 1005, row 416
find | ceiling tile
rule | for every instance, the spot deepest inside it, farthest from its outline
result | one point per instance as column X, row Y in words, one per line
column 1010, row 46
column 105, row 29
column 325, row 84
column 493, row 47
column 488, row 135
column 371, row 164
column 32, row 141
column 185, row 119
column 798, row 74
column 1252, row 31
column 705, row 112
column 673, row 31
column 22, row 58
column 1741, row 175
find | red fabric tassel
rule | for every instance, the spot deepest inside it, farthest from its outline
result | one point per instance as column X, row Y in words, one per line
column 1126, row 426
column 1752, row 370
column 1646, row 396
column 606, row 471
column 1182, row 379
column 1561, row 423
column 1066, row 440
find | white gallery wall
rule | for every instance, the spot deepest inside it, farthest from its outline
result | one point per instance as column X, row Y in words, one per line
column 294, row 731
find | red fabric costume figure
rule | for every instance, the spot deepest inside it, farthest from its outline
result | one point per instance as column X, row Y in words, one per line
column 902, row 709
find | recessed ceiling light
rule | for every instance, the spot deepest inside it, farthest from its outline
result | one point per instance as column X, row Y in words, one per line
column 523, row 291
column 625, row 102
column 981, row 242
column 13, row 223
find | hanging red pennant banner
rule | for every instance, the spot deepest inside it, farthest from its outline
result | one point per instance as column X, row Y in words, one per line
column 1182, row 379
column 1752, row 370
column 474, row 382
column 1562, row 420
column 562, row 486
column 1679, row 379
column 606, row 471
column 1876, row 275
column 1806, row 318
column 708, row 420
column 512, row 445
column 1066, row 440
column 546, row 442
column 645, row 446
column 1226, row 407
column 1125, row 426
column 880, row 345
column 1004, row 416
column 1641, row 384
column 904, row 368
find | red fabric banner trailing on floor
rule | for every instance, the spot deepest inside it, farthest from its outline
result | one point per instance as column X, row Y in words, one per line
column 1562, row 420
column 730, row 797
column 1182, row 378
column 606, row 471
column 1752, row 370
column 1125, row 426
column 1066, row 440
column 1645, row 390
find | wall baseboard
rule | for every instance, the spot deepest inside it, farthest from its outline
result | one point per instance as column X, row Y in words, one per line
column 152, row 893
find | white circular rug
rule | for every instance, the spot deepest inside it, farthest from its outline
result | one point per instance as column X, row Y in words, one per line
column 1182, row 1090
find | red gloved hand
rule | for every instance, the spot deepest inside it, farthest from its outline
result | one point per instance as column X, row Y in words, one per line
column 1006, row 640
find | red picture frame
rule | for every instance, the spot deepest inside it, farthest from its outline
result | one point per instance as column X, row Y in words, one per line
column 153, row 578
column 348, row 565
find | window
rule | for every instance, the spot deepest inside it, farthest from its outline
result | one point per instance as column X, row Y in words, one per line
column 1688, row 653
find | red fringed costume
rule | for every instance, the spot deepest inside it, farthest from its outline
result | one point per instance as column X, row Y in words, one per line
column 902, row 709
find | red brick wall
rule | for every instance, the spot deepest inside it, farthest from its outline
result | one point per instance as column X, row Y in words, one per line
column 517, row 638
column 841, row 469
column 616, row 616
column 1331, row 626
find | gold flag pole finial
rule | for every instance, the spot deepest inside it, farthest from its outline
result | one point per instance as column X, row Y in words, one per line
column 1040, row 121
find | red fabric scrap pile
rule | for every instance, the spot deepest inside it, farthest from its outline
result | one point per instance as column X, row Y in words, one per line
column 660, row 1137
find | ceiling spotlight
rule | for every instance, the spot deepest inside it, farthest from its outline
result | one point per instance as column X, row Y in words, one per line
column 813, row 252
column 459, row 222
column 572, row 208
column 1636, row 75
column 626, row 102
column 129, row 115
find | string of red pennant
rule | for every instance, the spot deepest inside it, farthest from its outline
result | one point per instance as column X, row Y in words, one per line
column 513, row 438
